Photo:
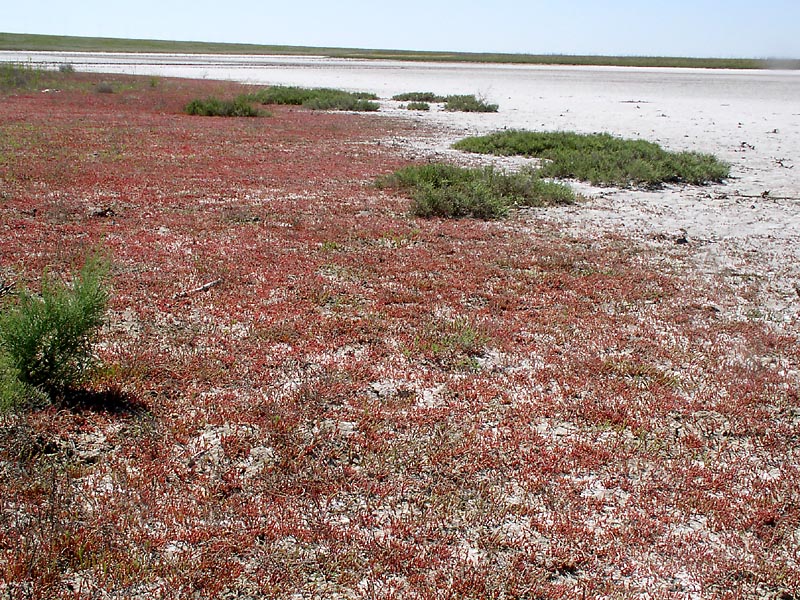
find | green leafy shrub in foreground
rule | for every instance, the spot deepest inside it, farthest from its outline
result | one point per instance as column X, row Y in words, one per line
column 442, row 190
column 317, row 98
column 214, row 107
column 46, row 341
column 601, row 159
column 13, row 392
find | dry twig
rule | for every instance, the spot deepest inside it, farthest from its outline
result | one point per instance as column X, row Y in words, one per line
column 202, row 288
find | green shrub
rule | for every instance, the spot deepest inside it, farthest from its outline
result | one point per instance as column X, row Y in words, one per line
column 527, row 188
column 418, row 106
column 282, row 94
column 601, row 159
column 104, row 88
column 453, row 344
column 419, row 97
column 468, row 103
column 16, row 76
column 46, row 341
column 463, row 200
column 441, row 190
column 214, row 107
column 14, row 393
column 461, row 103
column 66, row 68
column 340, row 101
column 317, row 98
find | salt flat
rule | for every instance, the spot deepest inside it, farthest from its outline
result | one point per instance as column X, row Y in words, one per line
column 746, row 229
column 322, row 395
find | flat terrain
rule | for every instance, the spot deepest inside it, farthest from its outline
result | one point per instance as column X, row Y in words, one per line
column 18, row 41
column 745, row 229
column 366, row 404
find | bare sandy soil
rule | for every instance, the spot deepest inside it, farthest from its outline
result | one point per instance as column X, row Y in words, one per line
column 747, row 229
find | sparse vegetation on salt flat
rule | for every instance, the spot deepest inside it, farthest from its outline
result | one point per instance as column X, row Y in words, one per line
column 601, row 159
column 317, row 98
column 365, row 402
column 454, row 103
column 214, row 107
column 442, row 190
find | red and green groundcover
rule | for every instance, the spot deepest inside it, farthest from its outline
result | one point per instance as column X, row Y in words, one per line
column 310, row 393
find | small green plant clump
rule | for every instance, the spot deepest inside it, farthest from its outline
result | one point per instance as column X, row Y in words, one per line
column 468, row 103
column 418, row 106
column 283, row 94
column 453, row 344
column 341, row 101
column 317, row 98
column 601, row 159
column 104, row 87
column 46, row 341
column 419, row 97
column 214, row 107
column 454, row 103
column 442, row 190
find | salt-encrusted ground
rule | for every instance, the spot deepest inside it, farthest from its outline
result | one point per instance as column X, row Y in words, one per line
column 311, row 393
column 746, row 229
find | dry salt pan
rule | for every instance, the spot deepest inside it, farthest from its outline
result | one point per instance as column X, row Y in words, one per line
column 748, row 227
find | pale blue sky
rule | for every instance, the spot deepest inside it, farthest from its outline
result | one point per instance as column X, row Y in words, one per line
column 724, row 28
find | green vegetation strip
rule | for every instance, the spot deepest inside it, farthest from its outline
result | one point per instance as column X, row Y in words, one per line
column 16, row 41
column 317, row 98
column 458, row 102
column 214, row 107
column 441, row 190
column 24, row 77
column 601, row 159
column 465, row 103
column 418, row 106
column 15, row 76
column 419, row 97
